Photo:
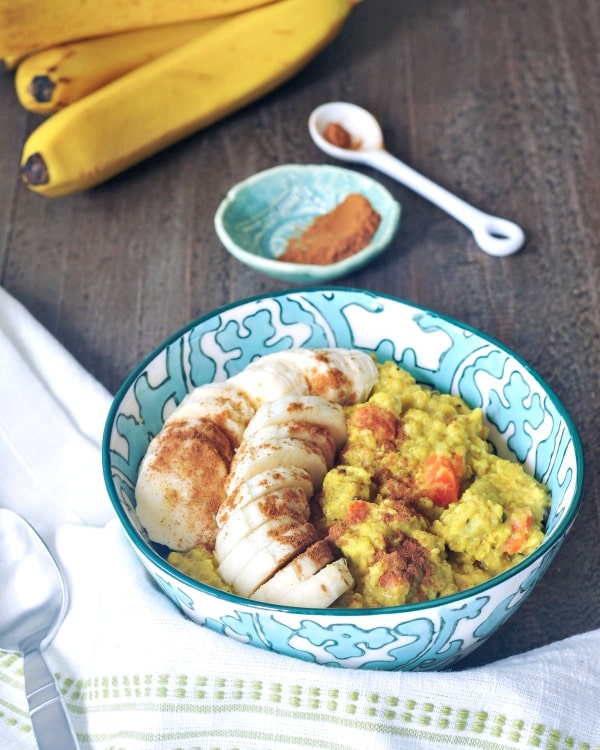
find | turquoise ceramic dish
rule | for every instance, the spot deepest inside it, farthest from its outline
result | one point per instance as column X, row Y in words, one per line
column 526, row 422
column 259, row 215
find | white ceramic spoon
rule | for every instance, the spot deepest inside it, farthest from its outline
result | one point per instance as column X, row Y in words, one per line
column 492, row 234
column 32, row 605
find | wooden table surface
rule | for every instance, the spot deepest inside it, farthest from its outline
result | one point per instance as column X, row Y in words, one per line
column 499, row 101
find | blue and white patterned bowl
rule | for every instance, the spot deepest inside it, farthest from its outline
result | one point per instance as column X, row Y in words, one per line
column 259, row 215
column 525, row 418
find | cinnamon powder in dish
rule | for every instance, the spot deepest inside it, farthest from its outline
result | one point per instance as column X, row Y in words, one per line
column 336, row 235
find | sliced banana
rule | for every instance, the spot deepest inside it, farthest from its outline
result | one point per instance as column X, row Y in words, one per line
column 269, row 378
column 343, row 376
column 252, row 459
column 290, row 501
column 322, row 588
column 272, row 557
column 174, row 506
column 270, row 480
column 283, row 413
column 284, row 537
column 362, row 370
column 298, row 431
column 302, row 566
column 314, row 434
column 181, row 480
column 313, row 410
column 222, row 403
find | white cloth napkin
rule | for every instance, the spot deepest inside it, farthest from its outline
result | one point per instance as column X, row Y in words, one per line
column 136, row 674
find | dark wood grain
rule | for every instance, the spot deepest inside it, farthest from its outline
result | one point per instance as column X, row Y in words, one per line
column 498, row 101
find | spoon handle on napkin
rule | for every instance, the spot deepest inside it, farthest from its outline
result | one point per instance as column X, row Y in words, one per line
column 49, row 717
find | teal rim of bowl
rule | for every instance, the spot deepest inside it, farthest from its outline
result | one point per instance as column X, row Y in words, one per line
column 146, row 550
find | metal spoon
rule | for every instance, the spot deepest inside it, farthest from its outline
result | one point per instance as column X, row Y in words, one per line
column 492, row 234
column 32, row 605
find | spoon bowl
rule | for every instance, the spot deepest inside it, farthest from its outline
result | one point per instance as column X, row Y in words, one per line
column 33, row 602
column 493, row 235
column 363, row 128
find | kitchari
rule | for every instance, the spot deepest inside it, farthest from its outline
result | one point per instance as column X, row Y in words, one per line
column 419, row 505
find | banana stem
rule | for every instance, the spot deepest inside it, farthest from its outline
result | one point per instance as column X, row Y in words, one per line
column 35, row 171
column 41, row 88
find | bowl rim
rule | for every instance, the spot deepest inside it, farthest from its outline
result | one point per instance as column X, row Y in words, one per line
column 147, row 551
column 318, row 271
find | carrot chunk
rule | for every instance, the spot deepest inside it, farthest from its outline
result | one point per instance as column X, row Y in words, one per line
column 441, row 478
column 520, row 529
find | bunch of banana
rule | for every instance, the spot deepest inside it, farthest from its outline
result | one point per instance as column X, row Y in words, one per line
column 123, row 80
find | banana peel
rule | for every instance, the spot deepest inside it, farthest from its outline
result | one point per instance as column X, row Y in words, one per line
column 180, row 92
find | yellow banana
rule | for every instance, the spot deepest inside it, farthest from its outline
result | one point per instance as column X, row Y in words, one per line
column 30, row 25
column 49, row 80
column 178, row 93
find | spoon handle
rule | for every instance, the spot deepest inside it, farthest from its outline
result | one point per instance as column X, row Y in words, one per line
column 49, row 718
column 492, row 234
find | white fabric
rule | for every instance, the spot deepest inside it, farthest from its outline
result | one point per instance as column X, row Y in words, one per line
column 136, row 674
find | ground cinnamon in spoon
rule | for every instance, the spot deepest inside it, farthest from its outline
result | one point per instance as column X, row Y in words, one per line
column 337, row 135
column 336, row 235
